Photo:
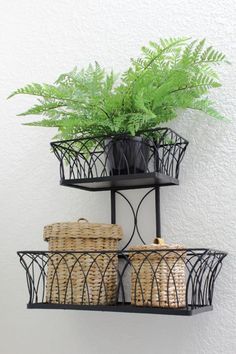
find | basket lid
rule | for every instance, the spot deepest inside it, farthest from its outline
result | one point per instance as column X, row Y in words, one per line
column 82, row 229
column 157, row 244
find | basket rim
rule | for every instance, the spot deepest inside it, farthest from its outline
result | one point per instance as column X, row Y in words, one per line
column 79, row 138
column 153, row 247
column 74, row 228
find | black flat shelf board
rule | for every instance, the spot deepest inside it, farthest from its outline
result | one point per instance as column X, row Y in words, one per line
column 121, row 182
column 127, row 307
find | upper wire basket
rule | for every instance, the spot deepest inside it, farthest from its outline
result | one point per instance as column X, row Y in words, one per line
column 157, row 151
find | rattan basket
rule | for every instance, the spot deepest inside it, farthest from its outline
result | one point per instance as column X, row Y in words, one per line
column 88, row 277
column 158, row 275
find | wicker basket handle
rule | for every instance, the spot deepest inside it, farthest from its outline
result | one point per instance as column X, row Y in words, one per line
column 82, row 219
column 158, row 241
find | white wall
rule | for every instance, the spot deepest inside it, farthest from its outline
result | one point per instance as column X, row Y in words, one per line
column 39, row 40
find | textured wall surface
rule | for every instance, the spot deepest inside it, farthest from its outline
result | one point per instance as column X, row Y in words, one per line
column 39, row 40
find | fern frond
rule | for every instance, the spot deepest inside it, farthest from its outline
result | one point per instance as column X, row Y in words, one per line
column 211, row 55
column 166, row 46
column 44, row 90
column 67, row 78
column 48, row 123
column 186, row 58
column 197, row 52
column 206, row 106
column 42, row 108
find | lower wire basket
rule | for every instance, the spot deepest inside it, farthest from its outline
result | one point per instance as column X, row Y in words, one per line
column 171, row 281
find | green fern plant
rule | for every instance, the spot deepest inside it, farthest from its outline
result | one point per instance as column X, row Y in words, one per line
column 174, row 74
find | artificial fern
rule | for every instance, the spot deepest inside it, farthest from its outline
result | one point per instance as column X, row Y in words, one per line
column 174, row 74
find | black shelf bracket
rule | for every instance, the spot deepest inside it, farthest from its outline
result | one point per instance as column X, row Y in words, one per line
column 113, row 207
column 158, row 211
column 135, row 212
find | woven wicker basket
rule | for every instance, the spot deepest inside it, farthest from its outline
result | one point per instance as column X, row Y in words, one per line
column 158, row 276
column 86, row 278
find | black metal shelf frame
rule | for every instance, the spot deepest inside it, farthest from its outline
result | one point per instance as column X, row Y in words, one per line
column 202, row 267
column 85, row 164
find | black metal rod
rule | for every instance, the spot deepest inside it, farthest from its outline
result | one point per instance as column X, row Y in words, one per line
column 158, row 211
column 125, row 307
column 113, row 207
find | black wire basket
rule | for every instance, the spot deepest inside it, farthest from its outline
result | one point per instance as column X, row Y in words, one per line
column 165, row 294
column 103, row 162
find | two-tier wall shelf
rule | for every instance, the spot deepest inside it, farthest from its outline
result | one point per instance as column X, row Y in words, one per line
column 173, row 281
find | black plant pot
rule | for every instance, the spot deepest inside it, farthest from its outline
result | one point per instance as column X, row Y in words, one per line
column 127, row 155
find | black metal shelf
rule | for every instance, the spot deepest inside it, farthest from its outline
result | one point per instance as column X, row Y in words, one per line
column 181, row 281
column 122, row 182
column 126, row 308
column 65, row 280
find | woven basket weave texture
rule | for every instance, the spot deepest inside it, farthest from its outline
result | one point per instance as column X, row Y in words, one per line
column 86, row 278
column 158, row 276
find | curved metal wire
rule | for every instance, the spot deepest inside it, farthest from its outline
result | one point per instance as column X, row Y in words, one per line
column 158, row 150
column 170, row 278
column 135, row 213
